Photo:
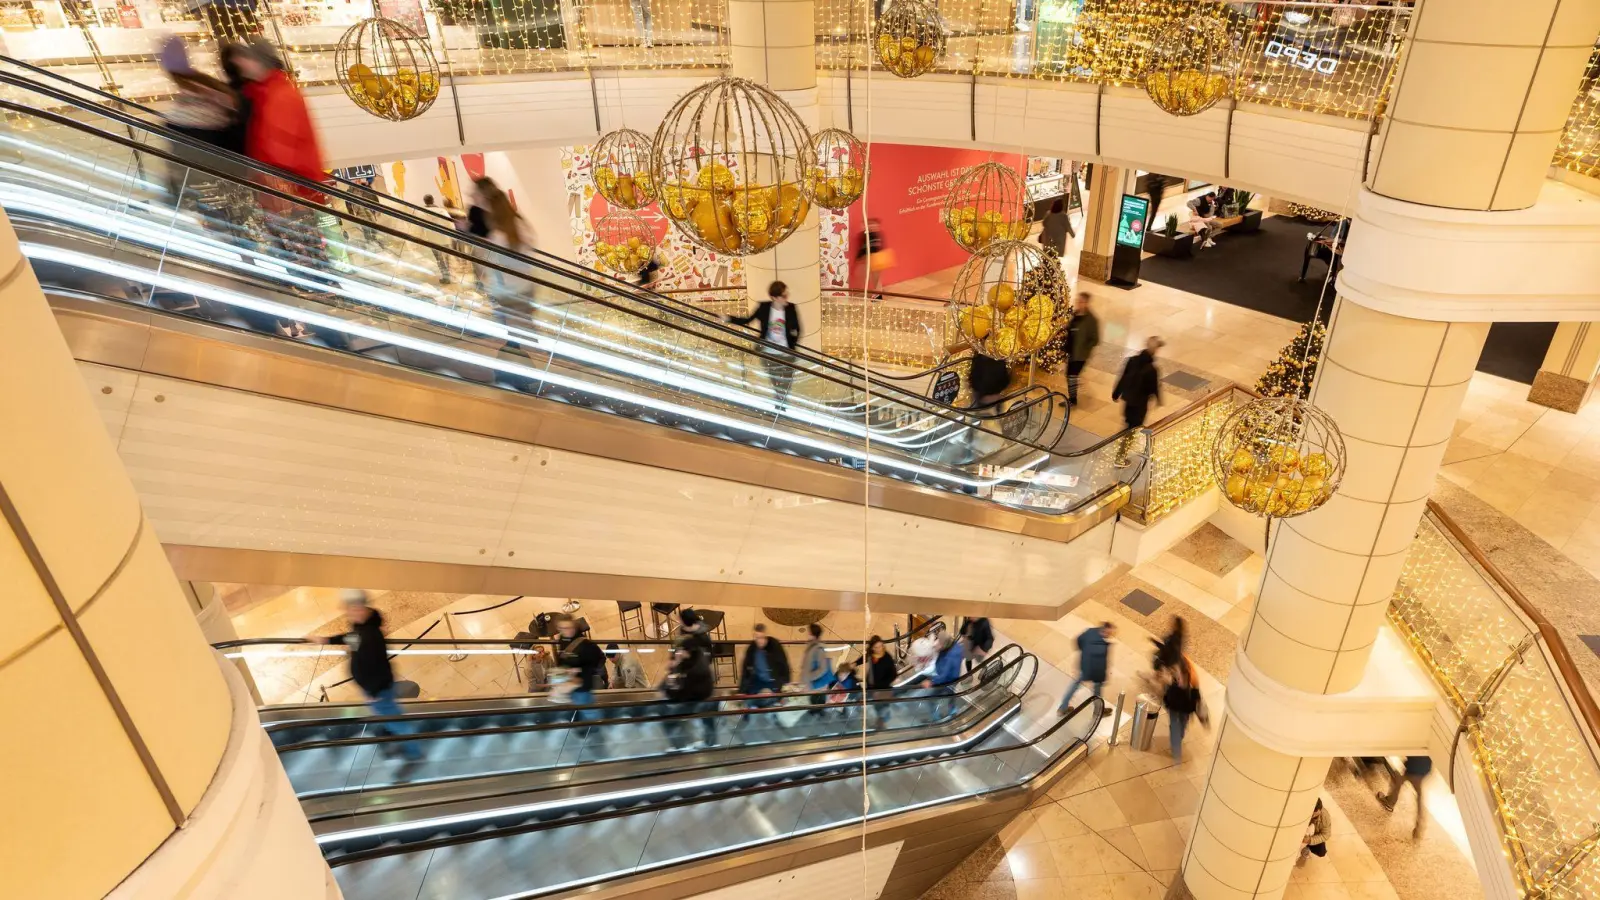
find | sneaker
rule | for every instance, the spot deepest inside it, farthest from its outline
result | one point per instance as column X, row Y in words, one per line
column 1209, row 244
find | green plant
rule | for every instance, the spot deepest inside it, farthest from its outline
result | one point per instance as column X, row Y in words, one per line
column 1172, row 225
column 1243, row 198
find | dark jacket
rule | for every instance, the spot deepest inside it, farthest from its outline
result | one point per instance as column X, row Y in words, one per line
column 478, row 222
column 1094, row 653
column 1181, row 696
column 696, row 635
column 689, row 679
column 1083, row 334
column 978, row 633
column 987, row 376
column 578, row 652
column 882, row 672
column 777, row 662
column 369, row 655
column 1138, row 385
column 791, row 321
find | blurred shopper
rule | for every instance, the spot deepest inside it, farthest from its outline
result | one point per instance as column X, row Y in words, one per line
column 1094, row 661
column 582, row 659
column 1169, row 649
column 871, row 259
column 1180, row 697
column 846, row 681
column 1156, row 187
column 538, row 669
column 688, row 684
column 1083, row 335
column 946, row 672
column 765, row 669
column 494, row 218
column 692, row 630
column 364, row 214
column 630, row 671
column 439, row 256
column 1415, row 771
column 778, row 323
column 1056, row 228
column 1318, row 829
column 987, row 380
column 816, row 669
column 978, row 635
column 205, row 109
column 1137, row 386
column 369, row 665
column 881, row 675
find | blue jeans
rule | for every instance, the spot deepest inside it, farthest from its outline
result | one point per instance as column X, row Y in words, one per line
column 384, row 704
column 1176, row 723
column 1095, row 688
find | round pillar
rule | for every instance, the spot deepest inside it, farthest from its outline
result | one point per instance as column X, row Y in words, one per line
column 125, row 727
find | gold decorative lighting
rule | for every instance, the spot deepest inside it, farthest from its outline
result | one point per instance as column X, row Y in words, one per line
column 909, row 37
column 729, row 162
column 840, row 174
column 986, row 203
column 623, row 242
column 387, row 69
column 620, row 166
column 1193, row 62
column 1279, row 457
column 1009, row 300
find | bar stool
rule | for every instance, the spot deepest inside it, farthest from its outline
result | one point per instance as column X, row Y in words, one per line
column 663, row 618
column 632, row 617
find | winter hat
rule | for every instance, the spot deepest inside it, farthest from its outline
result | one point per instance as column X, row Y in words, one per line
column 174, row 56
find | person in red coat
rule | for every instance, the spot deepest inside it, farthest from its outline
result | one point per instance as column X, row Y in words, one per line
column 278, row 133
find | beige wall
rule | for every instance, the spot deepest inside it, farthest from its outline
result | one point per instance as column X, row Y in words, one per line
column 114, row 711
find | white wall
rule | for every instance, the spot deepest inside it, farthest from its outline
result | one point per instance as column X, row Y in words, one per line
column 542, row 196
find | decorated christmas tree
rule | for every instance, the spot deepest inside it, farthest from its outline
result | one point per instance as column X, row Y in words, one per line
column 1295, row 368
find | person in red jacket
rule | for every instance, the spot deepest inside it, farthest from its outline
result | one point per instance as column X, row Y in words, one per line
column 278, row 133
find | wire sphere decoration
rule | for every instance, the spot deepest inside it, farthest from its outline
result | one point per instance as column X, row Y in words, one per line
column 909, row 36
column 1009, row 300
column 620, row 167
column 1192, row 63
column 623, row 242
column 1278, row 457
column 387, row 69
column 729, row 162
column 987, row 203
column 840, row 175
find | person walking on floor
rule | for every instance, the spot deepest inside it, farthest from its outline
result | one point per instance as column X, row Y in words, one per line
column 1137, row 386
column 1180, row 697
column 1083, row 335
column 1318, row 829
column 1416, row 769
column 778, row 323
column 816, row 670
column 1094, row 661
column 1056, row 228
column 370, row 668
column 765, row 669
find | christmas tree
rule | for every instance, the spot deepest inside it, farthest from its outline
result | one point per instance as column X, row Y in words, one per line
column 1291, row 374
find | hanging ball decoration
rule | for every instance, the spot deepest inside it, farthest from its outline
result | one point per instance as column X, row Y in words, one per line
column 1278, row 457
column 387, row 69
column 620, row 166
column 986, row 203
column 623, row 242
column 1192, row 62
column 1009, row 300
column 910, row 37
column 840, row 174
column 730, row 161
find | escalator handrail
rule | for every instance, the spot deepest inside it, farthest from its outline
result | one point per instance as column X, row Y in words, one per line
column 981, row 679
column 429, row 222
column 853, row 771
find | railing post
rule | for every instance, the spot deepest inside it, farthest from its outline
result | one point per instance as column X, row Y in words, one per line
column 1116, row 718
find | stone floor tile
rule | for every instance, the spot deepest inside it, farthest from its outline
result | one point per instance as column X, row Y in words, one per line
column 1136, row 886
column 1138, row 802
column 1031, row 861
column 1077, row 856
column 1056, row 824
column 1086, row 887
column 1120, row 852
column 1040, row 889
column 1179, row 798
column 1096, row 809
column 1024, row 829
column 1162, row 844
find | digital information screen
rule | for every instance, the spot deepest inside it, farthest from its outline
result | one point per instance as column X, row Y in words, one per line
column 1130, row 220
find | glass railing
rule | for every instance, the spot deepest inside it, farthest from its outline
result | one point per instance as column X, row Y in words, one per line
column 113, row 209
column 1579, row 150
column 1529, row 721
column 1180, row 467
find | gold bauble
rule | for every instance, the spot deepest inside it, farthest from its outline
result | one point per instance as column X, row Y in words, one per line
column 1002, row 295
column 1315, row 465
column 1284, row 456
column 1005, row 343
column 976, row 321
column 1243, row 460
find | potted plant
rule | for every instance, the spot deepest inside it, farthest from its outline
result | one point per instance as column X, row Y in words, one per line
column 1169, row 241
column 1251, row 217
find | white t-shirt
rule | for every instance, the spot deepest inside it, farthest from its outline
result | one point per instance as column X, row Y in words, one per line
column 777, row 319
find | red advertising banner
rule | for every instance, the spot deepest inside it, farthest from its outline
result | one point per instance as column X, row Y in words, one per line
column 905, row 194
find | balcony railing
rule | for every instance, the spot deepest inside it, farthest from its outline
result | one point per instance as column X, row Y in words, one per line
column 1528, row 720
column 1579, row 150
column 1180, row 455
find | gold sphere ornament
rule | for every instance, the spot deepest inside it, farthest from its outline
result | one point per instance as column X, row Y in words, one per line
column 1278, row 457
column 987, row 203
column 623, row 242
column 1193, row 62
column 909, row 37
column 1010, row 300
column 729, row 162
column 386, row 69
column 840, row 174
column 620, row 167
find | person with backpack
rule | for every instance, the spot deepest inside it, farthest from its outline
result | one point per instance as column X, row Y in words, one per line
column 1180, row 697
column 688, row 684
column 1094, row 660
column 765, row 669
column 583, row 660
column 816, row 670
column 370, row 668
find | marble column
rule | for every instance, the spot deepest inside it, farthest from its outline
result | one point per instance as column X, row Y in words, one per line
column 136, row 762
column 772, row 43
column 1566, row 378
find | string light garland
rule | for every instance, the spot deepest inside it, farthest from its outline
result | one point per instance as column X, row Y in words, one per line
column 839, row 176
column 1291, row 374
column 987, row 203
column 729, row 161
column 1192, row 63
column 620, row 166
column 387, row 69
column 909, row 37
column 1009, row 300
